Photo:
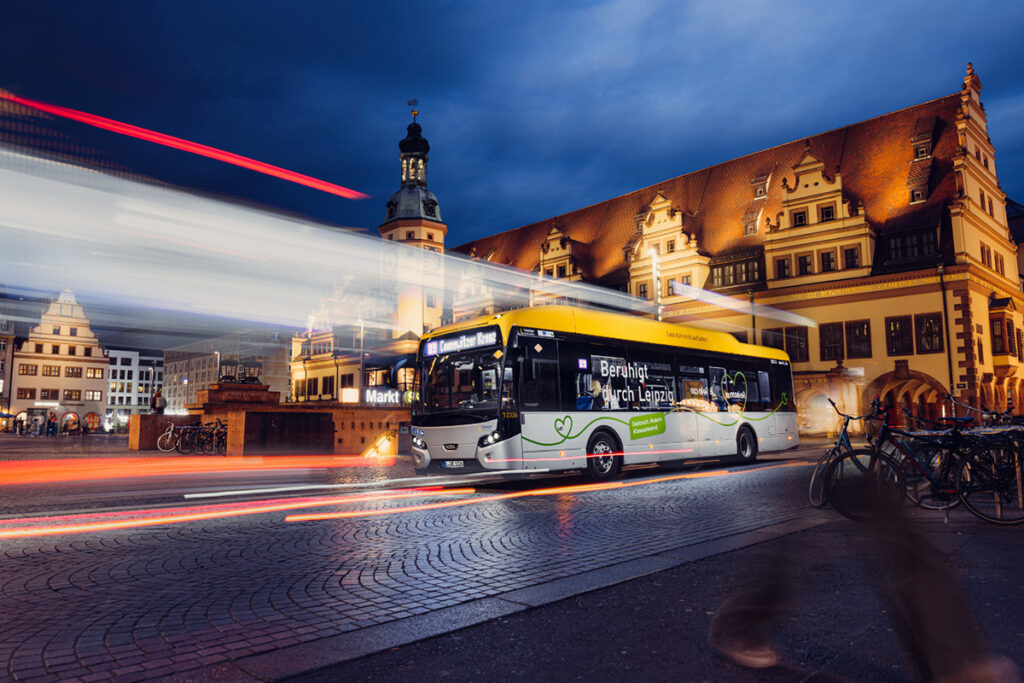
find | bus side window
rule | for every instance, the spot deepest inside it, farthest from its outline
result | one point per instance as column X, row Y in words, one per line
column 540, row 384
column 717, row 386
column 765, row 387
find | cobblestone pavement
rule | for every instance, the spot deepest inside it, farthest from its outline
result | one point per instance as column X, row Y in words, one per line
column 138, row 604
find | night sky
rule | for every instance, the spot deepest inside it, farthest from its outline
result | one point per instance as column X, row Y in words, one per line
column 531, row 108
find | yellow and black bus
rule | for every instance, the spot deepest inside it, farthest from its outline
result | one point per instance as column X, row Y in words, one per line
column 562, row 388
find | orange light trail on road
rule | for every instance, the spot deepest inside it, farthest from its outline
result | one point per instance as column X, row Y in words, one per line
column 156, row 517
column 83, row 469
column 578, row 488
column 185, row 145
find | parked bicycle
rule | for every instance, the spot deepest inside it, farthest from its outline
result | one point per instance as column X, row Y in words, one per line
column 980, row 468
column 211, row 437
column 168, row 440
column 816, row 492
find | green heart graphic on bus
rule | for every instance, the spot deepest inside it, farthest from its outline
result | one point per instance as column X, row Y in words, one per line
column 563, row 427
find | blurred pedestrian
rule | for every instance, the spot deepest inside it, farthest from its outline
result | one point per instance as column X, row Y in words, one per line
column 157, row 403
column 930, row 613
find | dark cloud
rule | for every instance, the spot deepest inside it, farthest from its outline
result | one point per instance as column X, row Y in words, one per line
column 532, row 108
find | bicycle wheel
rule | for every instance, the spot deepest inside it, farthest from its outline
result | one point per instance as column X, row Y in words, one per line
column 864, row 485
column 920, row 490
column 990, row 482
column 204, row 442
column 167, row 441
column 187, row 441
column 816, row 488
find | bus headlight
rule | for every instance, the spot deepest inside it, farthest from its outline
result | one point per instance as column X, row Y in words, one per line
column 419, row 443
column 489, row 440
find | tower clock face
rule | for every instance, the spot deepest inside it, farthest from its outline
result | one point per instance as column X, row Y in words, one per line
column 432, row 261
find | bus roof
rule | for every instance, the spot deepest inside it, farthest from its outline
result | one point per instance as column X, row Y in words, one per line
column 613, row 326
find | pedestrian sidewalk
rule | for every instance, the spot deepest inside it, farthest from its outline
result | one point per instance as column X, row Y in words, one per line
column 648, row 619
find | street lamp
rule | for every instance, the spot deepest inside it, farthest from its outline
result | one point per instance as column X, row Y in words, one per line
column 657, row 281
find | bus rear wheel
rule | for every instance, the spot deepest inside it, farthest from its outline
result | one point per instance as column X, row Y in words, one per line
column 746, row 445
column 602, row 463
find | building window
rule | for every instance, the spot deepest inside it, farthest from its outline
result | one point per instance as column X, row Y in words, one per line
column 858, row 339
column 1020, row 345
column 831, row 341
column 72, row 372
column 549, row 272
column 641, row 290
column 828, row 261
column 51, row 371
column 409, row 235
column 87, row 351
column 803, row 265
column 73, row 332
column 899, row 335
column 749, row 228
column 39, row 348
column 72, row 350
column 328, row 388
column 911, row 245
column 774, row 338
column 929, row 332
column 72, row 394
column 921, row 151
column 56, row 328
column 431, row 301
column 796, row 344
column 430, row 236
column 670, row 246
column 26, row 369
column 348, row 381
column 998, row 338
column 93, row 395
column 561, row 271
column 312, row 386
column 1000, row 264
column 826, row 214
column 49, row 394
column 27, row 393
column 759, row 192
column 916, row 195
column 799, row 218
column 782, row 268
column 55, row 349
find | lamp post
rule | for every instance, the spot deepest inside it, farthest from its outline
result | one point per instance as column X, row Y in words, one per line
column 656, row 273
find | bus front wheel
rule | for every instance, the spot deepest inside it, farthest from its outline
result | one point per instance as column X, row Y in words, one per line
column 602, row 461
column 746, row 445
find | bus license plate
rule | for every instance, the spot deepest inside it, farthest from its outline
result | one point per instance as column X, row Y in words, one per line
column 453, row 464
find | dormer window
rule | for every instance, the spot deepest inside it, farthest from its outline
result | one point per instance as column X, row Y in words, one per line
column 826, row 213
column 759, row 191
column 916, row 195
column 799, row 218
column 921, row 151
column 670, row 246
column 750, row 228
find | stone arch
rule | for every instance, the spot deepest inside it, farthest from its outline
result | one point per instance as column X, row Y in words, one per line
column 918, row 392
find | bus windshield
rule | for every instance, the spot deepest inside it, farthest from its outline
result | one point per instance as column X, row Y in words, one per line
column 465, row 384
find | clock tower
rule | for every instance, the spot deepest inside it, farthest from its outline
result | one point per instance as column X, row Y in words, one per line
column 413, row 218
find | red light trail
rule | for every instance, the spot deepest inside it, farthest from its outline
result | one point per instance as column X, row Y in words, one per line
column 184, row 145
column 83, row 469
column 105, row 521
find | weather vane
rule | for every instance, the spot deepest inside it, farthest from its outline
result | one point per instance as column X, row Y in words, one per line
column 415, row 113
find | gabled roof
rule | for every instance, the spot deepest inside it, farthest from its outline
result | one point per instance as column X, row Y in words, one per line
column 873, row 157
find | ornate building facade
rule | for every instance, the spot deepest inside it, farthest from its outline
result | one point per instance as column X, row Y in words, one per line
column 61, row 369
column 890, row 234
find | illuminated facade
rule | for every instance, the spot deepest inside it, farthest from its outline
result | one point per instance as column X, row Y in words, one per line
column 891, row 234
column 366, row 362
column 60, row 369
column 133, row 378
column 6, row 357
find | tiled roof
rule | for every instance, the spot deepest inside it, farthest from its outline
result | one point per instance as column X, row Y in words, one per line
column 873, row 157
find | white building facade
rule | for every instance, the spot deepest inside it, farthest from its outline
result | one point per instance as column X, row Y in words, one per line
column 132, row 379
column 60, row 370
